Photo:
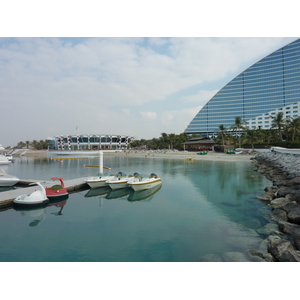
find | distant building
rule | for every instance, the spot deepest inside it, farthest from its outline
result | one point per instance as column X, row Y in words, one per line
column 258, row 94
column 89, row 142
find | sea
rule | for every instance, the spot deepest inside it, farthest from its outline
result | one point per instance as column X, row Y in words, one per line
column 204, row 211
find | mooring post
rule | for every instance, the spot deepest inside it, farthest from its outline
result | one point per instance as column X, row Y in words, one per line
column 101, row 162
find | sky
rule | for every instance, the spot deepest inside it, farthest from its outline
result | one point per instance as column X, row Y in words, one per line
column 56, row 82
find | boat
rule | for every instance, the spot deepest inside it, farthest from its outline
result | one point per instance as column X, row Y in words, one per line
column 57, row 190
column 36, row 198
column 120, row 181
column 4, row 160
column 99, row 181
column 139, row 182
column 6, row 179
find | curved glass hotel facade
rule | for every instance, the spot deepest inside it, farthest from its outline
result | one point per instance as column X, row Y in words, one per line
column 270, row 86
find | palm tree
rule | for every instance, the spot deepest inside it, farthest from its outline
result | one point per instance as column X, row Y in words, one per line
column 222, row 133
column 172, row 138
column 237, row 126
column 278, row 122
column 293, row 125
column 251, row 137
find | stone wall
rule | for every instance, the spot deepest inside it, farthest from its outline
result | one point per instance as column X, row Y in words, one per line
column 283, row 170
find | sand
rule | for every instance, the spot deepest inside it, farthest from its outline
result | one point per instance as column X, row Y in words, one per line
column 211, row 156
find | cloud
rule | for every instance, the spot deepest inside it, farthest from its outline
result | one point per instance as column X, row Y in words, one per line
column 149, row 115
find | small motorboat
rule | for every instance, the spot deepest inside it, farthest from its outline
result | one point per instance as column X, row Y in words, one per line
column 120, row 181
column 36, row 198
column 139, row 182
column 6, row 179
column 57, row 190
column 99, row 181
column 4, row 160
column 10, row 157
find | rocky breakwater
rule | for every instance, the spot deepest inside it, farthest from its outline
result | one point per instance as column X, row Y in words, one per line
column 283, row 170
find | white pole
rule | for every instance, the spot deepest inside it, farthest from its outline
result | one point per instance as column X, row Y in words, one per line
column 101, row 162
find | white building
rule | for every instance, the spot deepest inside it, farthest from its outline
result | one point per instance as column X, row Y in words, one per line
column 90, row 142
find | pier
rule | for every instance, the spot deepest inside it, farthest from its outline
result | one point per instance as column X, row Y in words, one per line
column 7, row 197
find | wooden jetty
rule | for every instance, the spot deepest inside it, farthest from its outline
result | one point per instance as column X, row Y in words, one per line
column 7, row 197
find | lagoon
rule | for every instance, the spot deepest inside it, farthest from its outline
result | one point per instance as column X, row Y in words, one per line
column 204, row 211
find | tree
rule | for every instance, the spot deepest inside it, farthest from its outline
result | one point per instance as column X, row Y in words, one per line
column 293, row 126
column 278, row 122
column 251, row 137
column 222, row 133
column 237, row 126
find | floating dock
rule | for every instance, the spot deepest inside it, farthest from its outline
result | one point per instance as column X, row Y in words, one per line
column 7, row 197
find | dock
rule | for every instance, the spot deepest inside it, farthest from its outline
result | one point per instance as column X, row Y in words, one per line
column 7, row 197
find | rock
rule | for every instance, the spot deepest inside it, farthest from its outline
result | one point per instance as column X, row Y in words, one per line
column 211, row 258
column 283, row 250
column 252, row 223
column 263, row 256
column 290, row 206
column 235, row 257
column 294, row 215
column 279, row 202
column 297, row 242
column 267, row 196
column 278, row 215
column 289, row 228
column 268, row 229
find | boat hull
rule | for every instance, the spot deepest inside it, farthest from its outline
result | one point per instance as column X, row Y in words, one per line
column 96, row 182
column 145, row 184
column 58, row 195
column 8, row 181
column 28, row 203
column 118, row 183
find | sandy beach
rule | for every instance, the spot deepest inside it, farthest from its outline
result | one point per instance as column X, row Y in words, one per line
column 210, row 156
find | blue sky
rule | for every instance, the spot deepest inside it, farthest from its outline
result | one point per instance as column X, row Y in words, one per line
column 132, row 86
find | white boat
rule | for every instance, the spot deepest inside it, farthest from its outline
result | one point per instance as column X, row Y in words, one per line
column 36, row 198
column 119, row 181
column 139, row 182
column 6, row 179
column 4, row 160
column 98, row 181
column 10, row 157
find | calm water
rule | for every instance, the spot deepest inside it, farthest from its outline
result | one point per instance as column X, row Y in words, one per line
column 203, row 211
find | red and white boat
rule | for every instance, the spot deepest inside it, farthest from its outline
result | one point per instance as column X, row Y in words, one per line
column 57, row 190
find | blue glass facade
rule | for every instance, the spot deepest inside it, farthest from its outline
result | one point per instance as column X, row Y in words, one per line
column 270, row 85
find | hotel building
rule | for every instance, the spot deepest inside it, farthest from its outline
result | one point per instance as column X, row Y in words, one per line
column 258, row 94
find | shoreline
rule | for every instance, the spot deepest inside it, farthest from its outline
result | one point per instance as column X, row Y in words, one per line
column 210, row 156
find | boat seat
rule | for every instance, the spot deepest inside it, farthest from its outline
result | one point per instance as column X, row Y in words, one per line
column 56, row 187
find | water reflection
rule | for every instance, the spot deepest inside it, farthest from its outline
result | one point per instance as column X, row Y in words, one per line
column 60, row 203
column 143, row 195
column 39, row 214
column 120, row 193
column 98, row 191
